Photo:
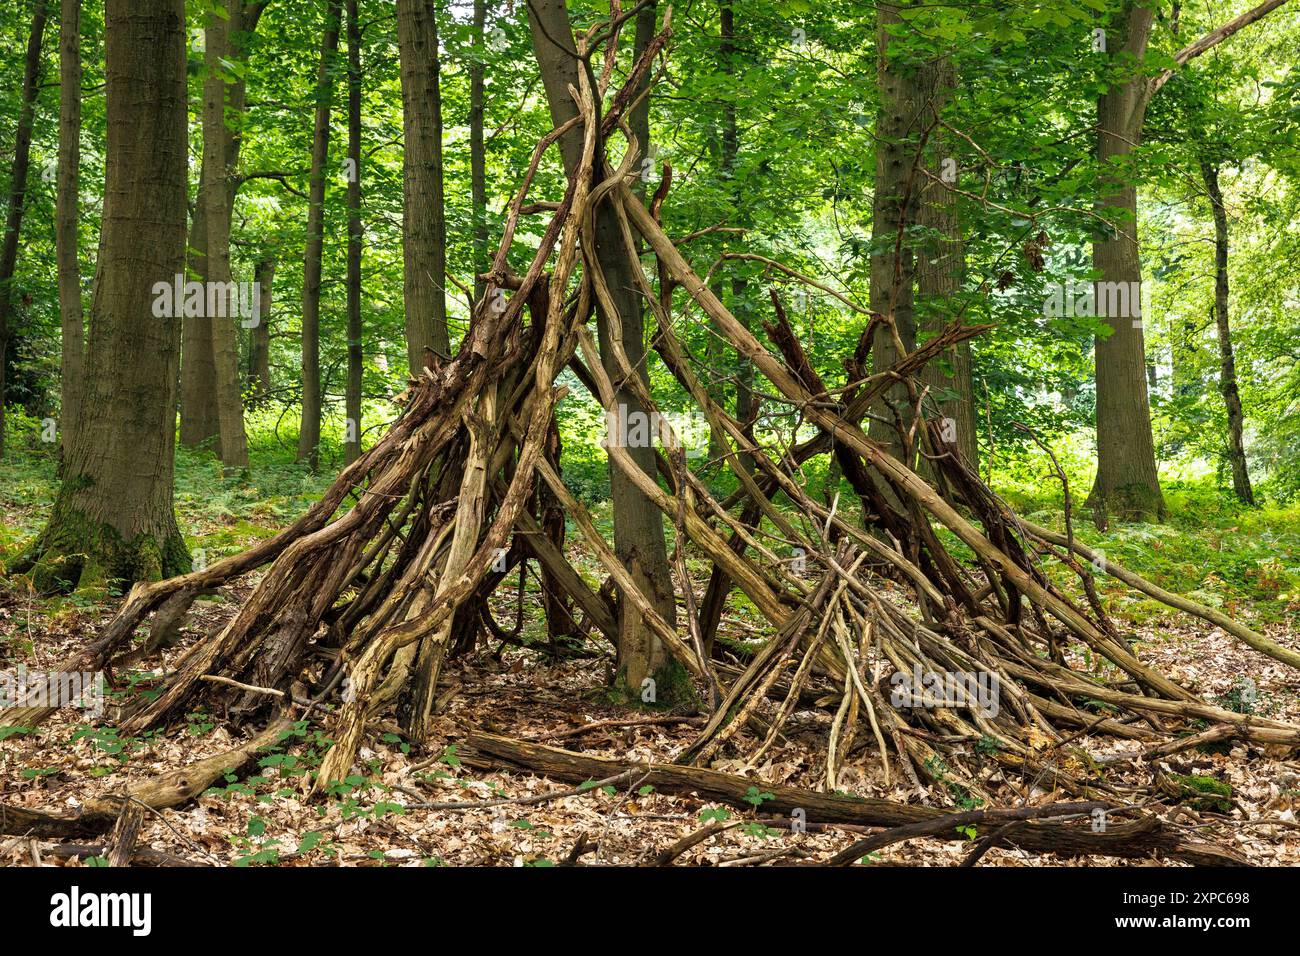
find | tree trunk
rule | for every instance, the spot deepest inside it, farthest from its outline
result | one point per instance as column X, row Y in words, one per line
column 352, row 428
column 727, row 53
column 1127, row 484
column 478, row 147
column 259, row 342
column 18, row 189
column 424, row 226
column 218, row 197
column 200, row 421
column 200, row 401
column 894, row 204
column 66, row 218
column 309, row 430
column 638, row 527
column 939, row 277
column 113, row 518
column 1227, row 360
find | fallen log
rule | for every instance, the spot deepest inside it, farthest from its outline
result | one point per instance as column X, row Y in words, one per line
column 1141, row 838
column 141, row 854
column 122, row 841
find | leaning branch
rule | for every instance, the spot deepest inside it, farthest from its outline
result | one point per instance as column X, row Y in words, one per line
column 1213, row 39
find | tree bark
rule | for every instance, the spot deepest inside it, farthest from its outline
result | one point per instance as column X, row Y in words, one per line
column 200, row 419
column 894, row 204
column 1127, row 485
column 218, row 197
column 1227, row 359
column 728, row 54
column 309, row 430
column 259, row 343
column 1126, row 482
column 352, row 402
column 424, row 225
column 113, row 518
column 66, row 218
column 18, row 189
column 199, row 399
column 638, row 527
column 939, row 277
column 478, row 147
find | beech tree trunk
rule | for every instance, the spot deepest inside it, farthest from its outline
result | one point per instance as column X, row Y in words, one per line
column 218, row 197
column 940, row 273
column 200, row 394
column 729, row 53
column 424, row 226
column 113, row 519
column 66, row 219
column 200, row 421
column 478, row 147
column 1126, row 485
column 638, row 527
column 895, row 202
column 309, row 429
column 259, row 341
column 352, row 401
column 18, row 190
column 1227, row 359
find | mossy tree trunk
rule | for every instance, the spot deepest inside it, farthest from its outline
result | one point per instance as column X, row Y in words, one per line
column 894, row 204
column 113, row 518
column 352, row 399
column 940, row 274
column 1227, row 358
column 259, row 339
column 478, row 146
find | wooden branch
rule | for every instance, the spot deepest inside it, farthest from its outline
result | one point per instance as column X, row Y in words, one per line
column 1214, row 38
column 1141, row 838
column 126, row 832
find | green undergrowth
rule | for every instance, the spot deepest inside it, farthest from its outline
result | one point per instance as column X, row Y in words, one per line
column 1244, row 561
column 1240, row 560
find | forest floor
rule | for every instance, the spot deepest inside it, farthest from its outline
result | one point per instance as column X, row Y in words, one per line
column 1245, row 562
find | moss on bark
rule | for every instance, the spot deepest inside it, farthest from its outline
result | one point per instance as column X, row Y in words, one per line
column 76, row 551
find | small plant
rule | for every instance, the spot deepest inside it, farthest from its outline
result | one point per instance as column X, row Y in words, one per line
column 199, row 723
column 402, row 745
